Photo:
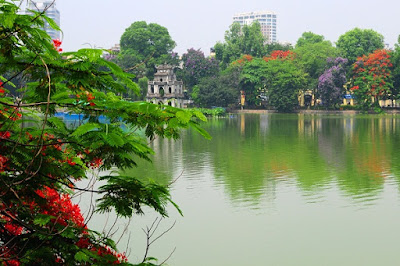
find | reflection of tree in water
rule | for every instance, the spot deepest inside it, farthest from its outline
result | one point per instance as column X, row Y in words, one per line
column 166, row 162
column 251, row 154
column 358, row 151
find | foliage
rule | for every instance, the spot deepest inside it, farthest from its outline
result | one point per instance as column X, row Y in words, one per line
column 270, row 47
column 372, row 78
column 145, row 45
column 221, row 90
column 396, row 70
column 284, row 83
column 196, row 66
column 253, row 80
column 42, row 159
column 308, row 38
column 312, row 57
column 331, row 82
column 218, row 111
column 358, row 42
column 143, row 84
column 247, row 39
column 278, row 75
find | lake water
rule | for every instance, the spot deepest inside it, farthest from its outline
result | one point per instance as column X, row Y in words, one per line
column 279, row 189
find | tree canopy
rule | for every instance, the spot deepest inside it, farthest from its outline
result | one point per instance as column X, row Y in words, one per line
column 240, row 40
column 145, row 45
column 196, row 66
column 309, row 38
column 358, row 42
column 312, row 56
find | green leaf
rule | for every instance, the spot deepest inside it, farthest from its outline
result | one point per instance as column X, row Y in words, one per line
column 82, row 257
column 52, row 23
column 43, row 219
column 114, row 139
column 85, row 128
column 200, row 130
column 183, row 116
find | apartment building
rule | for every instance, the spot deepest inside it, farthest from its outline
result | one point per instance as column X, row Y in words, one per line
column 51, row 11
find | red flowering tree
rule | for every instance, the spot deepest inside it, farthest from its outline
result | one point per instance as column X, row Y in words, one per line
column 42, row 158
column 278, row 54
column 372, row 79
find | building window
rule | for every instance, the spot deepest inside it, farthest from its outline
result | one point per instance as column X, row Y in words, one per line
column 169, row 90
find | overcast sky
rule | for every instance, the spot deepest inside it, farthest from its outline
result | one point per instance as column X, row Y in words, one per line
column 200, row 24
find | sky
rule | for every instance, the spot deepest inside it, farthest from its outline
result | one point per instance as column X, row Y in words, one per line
column 200, row 24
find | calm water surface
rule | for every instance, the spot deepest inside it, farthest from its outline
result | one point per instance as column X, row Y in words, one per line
column 279, row 189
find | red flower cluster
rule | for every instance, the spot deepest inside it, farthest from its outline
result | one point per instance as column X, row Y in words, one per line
column 65, row 213
column 86, row 96
column 279, row 54
column 244, row 59
column 374, row 71
column 95, row 163
column 2, row 91
column 57, row 45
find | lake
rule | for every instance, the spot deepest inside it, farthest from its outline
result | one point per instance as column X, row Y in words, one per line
column 278, row 189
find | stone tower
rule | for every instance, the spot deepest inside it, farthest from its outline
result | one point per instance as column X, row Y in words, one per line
column 165, row 88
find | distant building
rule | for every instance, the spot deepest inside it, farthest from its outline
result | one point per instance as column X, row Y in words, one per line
column 112, row 53
column 51, row 11
column 267, row 20
column 165, row 88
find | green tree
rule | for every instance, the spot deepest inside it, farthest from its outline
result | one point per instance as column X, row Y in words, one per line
column 312, row 56
column 253, row 80
column 284, row 82
column 309, row 38
column 222, row 90
column 358, row 42
column 396, row 70
column 240, row 40
column 145, row 45
column 271, row 47
column 42, row 158
column 281, row 78
column 143, row 85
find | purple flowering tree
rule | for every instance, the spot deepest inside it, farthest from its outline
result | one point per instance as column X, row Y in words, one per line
column 331, row 82
column 196, row 66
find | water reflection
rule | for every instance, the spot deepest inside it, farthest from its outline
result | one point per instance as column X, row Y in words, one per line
column 250, row 155
column 316, row 187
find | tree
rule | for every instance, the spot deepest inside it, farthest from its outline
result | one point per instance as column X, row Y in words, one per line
column 271, row 47
column 143, row 85
column 279, row 76
column 196, row 66
column 358, row 42
column 42, row 159
column 396, row 70
column 309, row 38
column 240, row 40
column 372, row 79
column 145, row 45
column 331, row 82
column 221, row 90
column 312, row 56
column 284, row 82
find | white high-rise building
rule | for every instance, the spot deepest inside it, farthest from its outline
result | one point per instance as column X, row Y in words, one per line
column 266, row 19
column 51, row 11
